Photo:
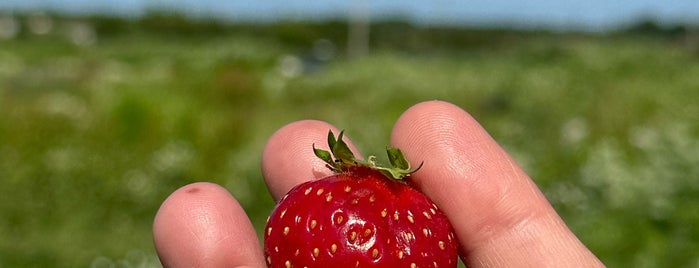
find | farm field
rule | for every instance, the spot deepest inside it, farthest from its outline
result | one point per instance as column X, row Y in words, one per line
column 98, row 127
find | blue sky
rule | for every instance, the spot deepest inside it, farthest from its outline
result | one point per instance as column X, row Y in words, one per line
column 587, row 14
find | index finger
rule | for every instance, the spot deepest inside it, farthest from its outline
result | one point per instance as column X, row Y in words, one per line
column 499, row 215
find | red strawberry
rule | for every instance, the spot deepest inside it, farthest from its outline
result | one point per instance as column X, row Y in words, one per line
column 363, row 216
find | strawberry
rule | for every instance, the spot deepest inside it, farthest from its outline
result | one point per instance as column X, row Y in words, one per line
column 364, row 215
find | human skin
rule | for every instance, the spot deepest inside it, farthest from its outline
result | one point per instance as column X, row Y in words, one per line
column 499, row 215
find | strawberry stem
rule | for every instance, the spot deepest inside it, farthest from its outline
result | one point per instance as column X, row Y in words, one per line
column 340, row 159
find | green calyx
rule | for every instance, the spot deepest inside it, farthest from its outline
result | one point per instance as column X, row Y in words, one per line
column 340, row 159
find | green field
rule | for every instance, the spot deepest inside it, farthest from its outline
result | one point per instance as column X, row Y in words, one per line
column 94, row 135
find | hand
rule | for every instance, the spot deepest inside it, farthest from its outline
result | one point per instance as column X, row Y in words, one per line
column 499, row 215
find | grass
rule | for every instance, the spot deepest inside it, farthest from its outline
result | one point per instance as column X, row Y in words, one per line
column 93, row 138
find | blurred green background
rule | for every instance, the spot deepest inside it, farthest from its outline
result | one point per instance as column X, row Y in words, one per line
column 102, row 118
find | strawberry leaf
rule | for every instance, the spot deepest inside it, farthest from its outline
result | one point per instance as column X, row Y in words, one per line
column 341, row 151
column 397, row 159
column 323, row 155
column 331, row 140
column 340, row 158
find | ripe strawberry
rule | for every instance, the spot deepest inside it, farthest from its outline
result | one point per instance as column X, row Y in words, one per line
column 363, row 216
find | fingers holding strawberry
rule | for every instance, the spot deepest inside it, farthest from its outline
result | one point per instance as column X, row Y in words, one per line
column 499, row 217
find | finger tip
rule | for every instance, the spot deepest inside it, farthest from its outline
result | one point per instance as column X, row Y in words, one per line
column 202, row 224
column 432, row 111
column 176, row 202
column 288, row 158
column 428, row 129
